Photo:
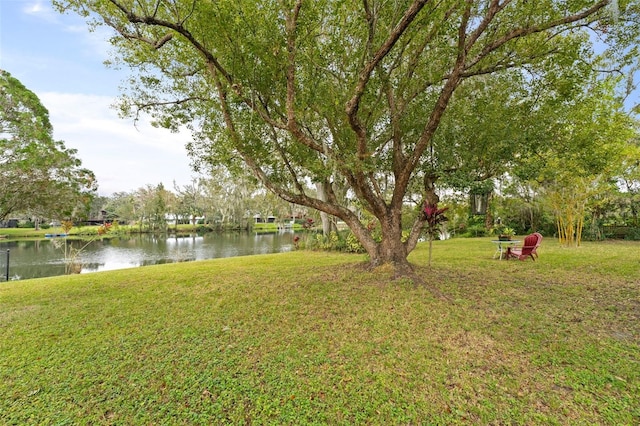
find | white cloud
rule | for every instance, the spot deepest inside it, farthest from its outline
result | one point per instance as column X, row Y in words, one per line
column 33, row 7
column 56, row 57
column 123, row 156
column 95, row 43
column 40, row 9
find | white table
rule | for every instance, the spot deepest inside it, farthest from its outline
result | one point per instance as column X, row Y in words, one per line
column 503, row 248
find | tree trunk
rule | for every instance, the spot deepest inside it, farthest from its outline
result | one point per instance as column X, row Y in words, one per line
column 328, row 224
column 430, row 197
column 391, row 250
column 488, row 218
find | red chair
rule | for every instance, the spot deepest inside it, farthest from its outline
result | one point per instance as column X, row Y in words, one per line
column 528, row 249
column 539, row 235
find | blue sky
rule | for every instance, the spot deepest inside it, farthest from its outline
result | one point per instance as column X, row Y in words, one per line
column 61, row 61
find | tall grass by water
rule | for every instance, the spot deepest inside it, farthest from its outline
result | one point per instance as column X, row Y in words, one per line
column 315, row 338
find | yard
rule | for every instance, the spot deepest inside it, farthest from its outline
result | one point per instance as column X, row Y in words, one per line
column 314, row 338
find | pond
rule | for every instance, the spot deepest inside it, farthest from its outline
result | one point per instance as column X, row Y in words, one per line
column 44, row 258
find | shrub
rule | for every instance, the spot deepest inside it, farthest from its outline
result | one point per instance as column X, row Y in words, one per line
column 474, row 230
column 352, row 245
column 203, row 229
column 633, row 234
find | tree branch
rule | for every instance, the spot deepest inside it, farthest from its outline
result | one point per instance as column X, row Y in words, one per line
column 352, row 106
column 292, row 123
column 214, row 63
column 525, row 31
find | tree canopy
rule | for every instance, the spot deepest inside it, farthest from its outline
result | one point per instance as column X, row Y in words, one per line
column 38, row 174
column 371, row 101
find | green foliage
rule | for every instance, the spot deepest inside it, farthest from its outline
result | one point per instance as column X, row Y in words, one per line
column 335, row 241
column 343, row 241
column 353, row 245
column 201, row 229
column 39, row 175
column 474, row 227
column 329, row 242
column 499, row 230
column 633, row 234
column 312, row 240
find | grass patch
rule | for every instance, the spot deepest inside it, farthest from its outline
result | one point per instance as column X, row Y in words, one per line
column 11, row 234
column 313, row 338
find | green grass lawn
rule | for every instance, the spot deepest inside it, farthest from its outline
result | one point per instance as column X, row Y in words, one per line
column 314, row 338
column 79, row 231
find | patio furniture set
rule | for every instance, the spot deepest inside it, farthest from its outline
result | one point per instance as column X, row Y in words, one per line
column 511, row 249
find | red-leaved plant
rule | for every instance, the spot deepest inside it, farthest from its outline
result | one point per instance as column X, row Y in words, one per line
column 434, row 217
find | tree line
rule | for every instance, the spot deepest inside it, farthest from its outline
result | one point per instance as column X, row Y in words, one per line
column 221, row 201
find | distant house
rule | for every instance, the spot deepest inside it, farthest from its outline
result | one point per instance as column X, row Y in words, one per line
column 9, row 223
column 258, row 219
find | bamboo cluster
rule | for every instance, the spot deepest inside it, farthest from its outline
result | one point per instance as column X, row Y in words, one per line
column 569, row 204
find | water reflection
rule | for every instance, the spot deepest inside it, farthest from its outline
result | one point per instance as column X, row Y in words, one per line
column 43, row 258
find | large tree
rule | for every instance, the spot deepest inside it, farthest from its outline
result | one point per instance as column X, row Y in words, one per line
column 38, row 175
column 346, row 94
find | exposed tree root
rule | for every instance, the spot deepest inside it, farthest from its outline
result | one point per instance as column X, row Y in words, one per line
column 418, row 280
column 400, row 271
